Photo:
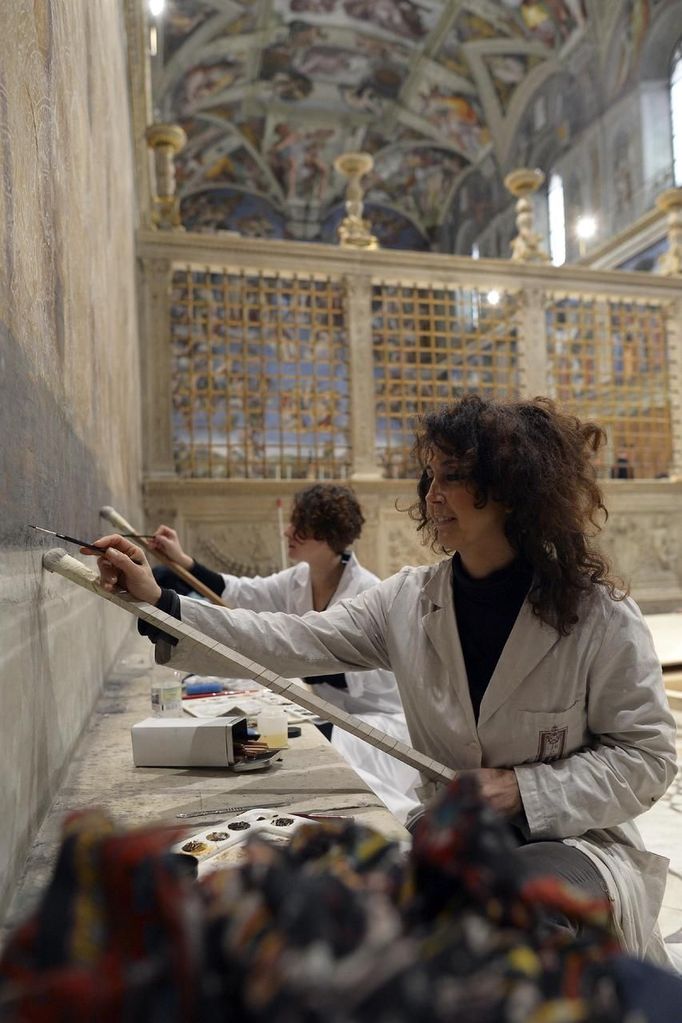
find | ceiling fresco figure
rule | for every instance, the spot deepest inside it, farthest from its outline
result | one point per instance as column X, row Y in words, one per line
column 204, row 81
column 486, row 21
column 219, row 157
column 313, row 6
column 181, row 22
column 404, row 17
column 299, row 158
column 622, row 175
column 457, row 120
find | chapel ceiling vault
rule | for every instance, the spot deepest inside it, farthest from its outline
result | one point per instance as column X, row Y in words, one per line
column 447, row 95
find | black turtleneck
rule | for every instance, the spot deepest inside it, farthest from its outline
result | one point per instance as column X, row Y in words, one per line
column 486, row 610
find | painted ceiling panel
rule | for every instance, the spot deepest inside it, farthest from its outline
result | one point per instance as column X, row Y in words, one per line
column 270, row 92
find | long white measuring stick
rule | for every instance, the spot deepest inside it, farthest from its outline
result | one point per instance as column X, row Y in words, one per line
column 236, row 666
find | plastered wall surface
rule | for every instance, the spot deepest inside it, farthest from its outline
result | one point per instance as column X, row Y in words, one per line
column 69, row 380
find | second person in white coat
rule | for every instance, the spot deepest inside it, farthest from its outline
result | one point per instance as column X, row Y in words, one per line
column 325, row 520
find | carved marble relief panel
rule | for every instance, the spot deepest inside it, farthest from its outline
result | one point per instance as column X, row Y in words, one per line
column 235, row 529
column 240, row 548
column 646, row 551
column 402, row 545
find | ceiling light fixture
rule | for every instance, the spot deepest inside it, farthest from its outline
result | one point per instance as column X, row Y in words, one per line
column 157, row 7
column 586, row 227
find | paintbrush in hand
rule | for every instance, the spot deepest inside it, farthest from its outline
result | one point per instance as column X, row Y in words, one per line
column 70, row 539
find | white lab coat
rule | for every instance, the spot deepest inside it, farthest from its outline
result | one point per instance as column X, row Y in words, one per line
column 291, row 591
column 371, row 695
column 582, row 719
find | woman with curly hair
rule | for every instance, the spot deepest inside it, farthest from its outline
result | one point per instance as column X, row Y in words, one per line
column 325, row 520
column 516, row 657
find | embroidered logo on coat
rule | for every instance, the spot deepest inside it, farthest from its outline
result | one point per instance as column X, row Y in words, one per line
column 552, row 742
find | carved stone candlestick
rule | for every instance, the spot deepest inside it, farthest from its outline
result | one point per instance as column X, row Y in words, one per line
column 353, row 231
column 522, row 183
column 670, row 202
column 165, row 140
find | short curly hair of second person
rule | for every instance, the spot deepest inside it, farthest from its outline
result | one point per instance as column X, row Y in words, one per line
column 537, row 461
column 327, row 512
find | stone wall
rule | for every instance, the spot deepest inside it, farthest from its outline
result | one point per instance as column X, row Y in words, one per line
column 69, row 413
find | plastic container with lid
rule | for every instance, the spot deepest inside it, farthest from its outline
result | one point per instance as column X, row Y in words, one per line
column 166, row 693
column 272, row 724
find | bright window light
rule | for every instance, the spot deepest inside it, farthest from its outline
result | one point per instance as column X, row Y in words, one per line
column 157, row 7
column 586, row 227
column 676, row 114
column 475, row 251
column 557, row 221
column 493, row 297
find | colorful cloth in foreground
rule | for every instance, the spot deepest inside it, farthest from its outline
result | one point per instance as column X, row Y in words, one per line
column 335, row 928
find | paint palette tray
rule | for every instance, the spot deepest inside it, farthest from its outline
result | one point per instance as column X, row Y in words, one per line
column 247, row 705
column 224, row 844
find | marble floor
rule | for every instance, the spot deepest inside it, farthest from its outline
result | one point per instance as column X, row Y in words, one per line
column 661, row 826
column 667, row 632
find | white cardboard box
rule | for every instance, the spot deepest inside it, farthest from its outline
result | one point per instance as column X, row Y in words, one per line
column 186, row 742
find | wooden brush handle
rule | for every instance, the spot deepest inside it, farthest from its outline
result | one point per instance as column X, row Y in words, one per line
column 116, row 520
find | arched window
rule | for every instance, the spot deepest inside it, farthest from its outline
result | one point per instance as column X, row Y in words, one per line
column 557, row 220
column 676, row 112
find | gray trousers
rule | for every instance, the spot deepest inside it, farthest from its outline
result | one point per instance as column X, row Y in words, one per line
column 568, row 864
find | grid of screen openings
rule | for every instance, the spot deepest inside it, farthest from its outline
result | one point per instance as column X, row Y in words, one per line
column 259, row 376
column 607, row 362
column 432, row 345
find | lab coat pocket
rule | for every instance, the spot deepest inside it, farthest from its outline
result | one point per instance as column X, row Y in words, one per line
column 549, row 735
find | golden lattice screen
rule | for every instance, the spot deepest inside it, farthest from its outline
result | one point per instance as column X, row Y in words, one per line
column 607, row 361
column 430, row 346
column 260, row 376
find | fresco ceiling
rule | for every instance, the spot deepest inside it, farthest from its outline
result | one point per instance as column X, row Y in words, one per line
column 446, row 94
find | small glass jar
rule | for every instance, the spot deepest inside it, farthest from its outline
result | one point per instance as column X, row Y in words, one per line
column 166, row 693
column 272, row 725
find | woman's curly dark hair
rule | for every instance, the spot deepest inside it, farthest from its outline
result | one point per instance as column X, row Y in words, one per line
column 327, row 512
column 536, row 460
